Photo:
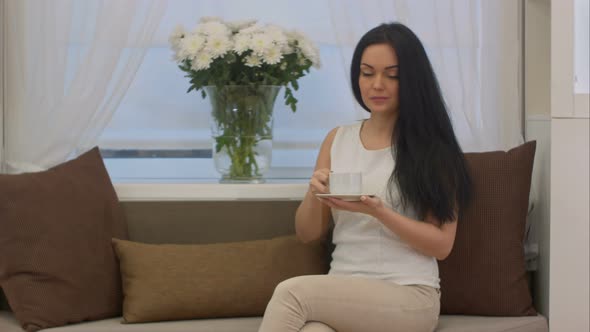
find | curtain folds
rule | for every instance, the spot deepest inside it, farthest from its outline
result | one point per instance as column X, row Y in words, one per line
column 68, row 65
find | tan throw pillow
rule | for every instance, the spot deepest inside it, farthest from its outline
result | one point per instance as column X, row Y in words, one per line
column 57, row 265
column 169, row 282
column 485, row 273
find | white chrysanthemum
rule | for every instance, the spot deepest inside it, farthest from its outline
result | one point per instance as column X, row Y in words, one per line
column 294, row 36
column 253, row 60
column 201, row 61
column 176, row 57
column 213, row 28
column 287, row 49
column 239, row 25
column 261, row 42
column 301, row 60
column 272, row 56
column 254, row 28
column 190, row 46
column 277, row 35
column 237, row 46
column 176, row 37
column 206, row 19
column 310, row 52
column 218, row 45
column 242, row 42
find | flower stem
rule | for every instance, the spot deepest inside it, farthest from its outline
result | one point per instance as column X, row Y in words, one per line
column 242, row 120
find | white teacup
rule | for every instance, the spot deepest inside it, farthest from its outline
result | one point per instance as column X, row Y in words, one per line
column 346, row 183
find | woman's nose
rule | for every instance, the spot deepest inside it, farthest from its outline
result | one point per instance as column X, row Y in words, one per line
column 378, row 82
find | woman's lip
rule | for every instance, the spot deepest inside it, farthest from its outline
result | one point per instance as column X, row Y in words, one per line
column 379, row 98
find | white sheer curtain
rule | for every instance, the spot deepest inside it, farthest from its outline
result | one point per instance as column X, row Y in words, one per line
column 474, row 47
column 67, row 65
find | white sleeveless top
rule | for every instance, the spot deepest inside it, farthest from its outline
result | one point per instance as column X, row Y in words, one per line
column 364, row 246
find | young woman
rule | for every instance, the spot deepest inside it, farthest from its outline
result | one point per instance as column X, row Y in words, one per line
column 383, row 275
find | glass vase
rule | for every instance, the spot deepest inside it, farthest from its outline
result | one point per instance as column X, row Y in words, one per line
column 242, row 130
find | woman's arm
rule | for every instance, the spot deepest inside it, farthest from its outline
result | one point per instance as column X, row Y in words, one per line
column 312, row 217
column 430, row 237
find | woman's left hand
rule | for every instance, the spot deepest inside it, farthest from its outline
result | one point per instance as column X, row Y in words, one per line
column 367, row 205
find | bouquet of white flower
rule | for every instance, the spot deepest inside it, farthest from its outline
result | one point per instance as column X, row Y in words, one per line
column 243, row 53
column 242, row 66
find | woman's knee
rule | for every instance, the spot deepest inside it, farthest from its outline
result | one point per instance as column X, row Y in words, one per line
column 296, row 287
column 288, row 286
column 316, row 327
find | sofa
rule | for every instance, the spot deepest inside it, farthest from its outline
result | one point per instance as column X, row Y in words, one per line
column 184, row 222
column 206, row 223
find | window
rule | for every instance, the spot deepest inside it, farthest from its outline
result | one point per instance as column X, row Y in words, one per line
column 73, row 66
column 158, row 114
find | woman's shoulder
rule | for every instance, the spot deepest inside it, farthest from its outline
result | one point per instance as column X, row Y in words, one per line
column 333, row 133
column 343, row 129
column 346, row 129
column 356, row 125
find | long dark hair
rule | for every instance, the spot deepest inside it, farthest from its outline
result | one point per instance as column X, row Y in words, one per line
column 430, row 169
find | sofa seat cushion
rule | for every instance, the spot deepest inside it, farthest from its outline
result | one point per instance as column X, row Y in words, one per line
column 447, row 323
column 460, row 323
column 242, row 324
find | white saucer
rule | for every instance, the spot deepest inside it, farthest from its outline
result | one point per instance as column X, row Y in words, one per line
column 346, row 197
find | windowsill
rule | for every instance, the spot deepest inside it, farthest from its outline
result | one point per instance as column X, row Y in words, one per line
column 196, row 180
column 270, row 191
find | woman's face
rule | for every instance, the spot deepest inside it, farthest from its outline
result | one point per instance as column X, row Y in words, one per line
column 378, row 80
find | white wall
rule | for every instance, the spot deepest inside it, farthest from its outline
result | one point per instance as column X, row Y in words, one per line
column 569, row 289
column 538, row 127
column 537, row 88
column 557, row 117
column 569, row 281
column 582, row 46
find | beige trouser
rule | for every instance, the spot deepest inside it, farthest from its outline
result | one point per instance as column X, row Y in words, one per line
column 328, row 303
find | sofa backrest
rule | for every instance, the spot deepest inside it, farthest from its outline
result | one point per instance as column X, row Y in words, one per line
column 209, row 222
column 205, row 222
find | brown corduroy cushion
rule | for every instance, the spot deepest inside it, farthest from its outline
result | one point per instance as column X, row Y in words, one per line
column 57, row 265
column 169, row 282
column 485, row 273
column 3, row 303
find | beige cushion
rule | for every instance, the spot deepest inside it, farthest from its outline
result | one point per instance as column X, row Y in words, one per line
column 456, row 323
column 168, row 281
column 251, row 324
column 239, row 324
column 485, row 273
column 57, row 265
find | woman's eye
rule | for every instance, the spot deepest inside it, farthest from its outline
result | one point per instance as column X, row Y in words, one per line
column 366, row 74
column 393, row 77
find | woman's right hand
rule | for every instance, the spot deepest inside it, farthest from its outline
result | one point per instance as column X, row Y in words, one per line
column 312, row 218
column 319, row 181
